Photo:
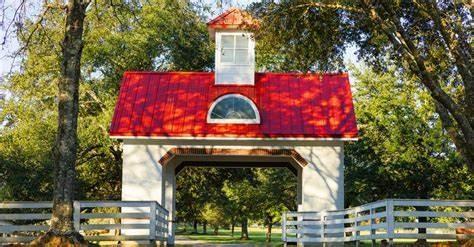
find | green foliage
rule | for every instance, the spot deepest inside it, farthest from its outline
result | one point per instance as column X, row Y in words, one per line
column 131, row 35
column 25, row 160
column 195, row 187
column 292, row 39
column 402, row 152
column 242, row 193
column 427, row 41
column 214, row 215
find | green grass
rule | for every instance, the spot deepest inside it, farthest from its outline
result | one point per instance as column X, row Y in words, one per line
column 256, row 236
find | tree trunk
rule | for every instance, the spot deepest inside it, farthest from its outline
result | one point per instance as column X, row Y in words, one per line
column 268, row 235
column 195, row 226
column 269, row 223
column 204, row 227
column 244, row 235
column 68, row 106
column 458, row 140
column 232, row 227
column 216, row 230
column 421, row 242
column 62, row 227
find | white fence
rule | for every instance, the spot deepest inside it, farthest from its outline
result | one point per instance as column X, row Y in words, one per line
column 96, row 220
column 387, row 219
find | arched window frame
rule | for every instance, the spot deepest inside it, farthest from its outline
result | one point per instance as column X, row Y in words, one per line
column 234, row 121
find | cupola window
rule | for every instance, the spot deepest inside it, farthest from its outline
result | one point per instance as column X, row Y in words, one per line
column 235, row 49
column 235, row 58
column 233, row 108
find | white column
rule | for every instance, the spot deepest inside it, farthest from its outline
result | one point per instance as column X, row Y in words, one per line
column 322, row 179
column 142, row 179
column 169, row 199
column 141, row 173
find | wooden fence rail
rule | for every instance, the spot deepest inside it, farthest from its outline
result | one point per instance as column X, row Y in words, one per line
column 97, row 220
column 387, row 219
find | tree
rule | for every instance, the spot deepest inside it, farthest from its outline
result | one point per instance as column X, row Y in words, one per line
column 243, row 193
column 231, row 211
column 191, row 198
column 40, row 39
column 276, row 194
column 427, row 40
column 65, row 151
column 214, row 216
column 401, row 143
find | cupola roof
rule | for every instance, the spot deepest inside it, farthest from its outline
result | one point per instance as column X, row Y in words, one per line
column 232, row 19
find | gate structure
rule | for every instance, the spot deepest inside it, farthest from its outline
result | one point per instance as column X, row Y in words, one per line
column 234, row 117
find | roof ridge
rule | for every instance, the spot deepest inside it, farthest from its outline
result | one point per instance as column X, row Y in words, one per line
column 166, row 72
column 261, row 73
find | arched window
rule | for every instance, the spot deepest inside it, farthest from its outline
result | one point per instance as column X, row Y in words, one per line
column 233, row 108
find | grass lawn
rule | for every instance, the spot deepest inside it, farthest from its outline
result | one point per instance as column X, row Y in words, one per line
column 256, row 235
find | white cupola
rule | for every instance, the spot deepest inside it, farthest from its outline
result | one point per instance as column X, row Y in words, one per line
column 235, row 47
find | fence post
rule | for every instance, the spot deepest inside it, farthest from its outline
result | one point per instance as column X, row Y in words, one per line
column 390, row 221
column 323, row 220
column 372, row 230
column 164, row 230
column 152, row 233
column 357, row 232
column 77, row 215
column 283, row 228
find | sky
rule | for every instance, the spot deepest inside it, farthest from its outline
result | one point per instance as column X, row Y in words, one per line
column 31, row 9
column 7, row 9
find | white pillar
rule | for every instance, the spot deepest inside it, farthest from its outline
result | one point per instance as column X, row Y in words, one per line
column 322, row 179
column 169, row 199
column 322, row 182
column 142, row 179
column 142, row 173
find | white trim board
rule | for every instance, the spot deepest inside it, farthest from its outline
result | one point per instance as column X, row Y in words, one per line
column 233, row 141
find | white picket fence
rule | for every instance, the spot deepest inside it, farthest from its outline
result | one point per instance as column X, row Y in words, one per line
column 387, row 219
column 97, row 220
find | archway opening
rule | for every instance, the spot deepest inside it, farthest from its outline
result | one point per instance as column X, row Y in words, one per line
column 229, row 201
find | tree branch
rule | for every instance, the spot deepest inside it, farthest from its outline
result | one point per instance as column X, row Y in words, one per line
column 331, row 6
column 461, row 59
column 15, row 14
column 458, row 140
column 397, row 35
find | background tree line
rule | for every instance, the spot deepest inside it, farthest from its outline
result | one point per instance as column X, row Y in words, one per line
column 412, row 143
column 229, row 197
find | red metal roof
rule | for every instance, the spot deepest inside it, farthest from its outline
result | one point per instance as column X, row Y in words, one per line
column 233, row 18
column 175, row 104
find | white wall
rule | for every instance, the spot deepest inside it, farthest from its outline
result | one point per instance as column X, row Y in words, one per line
column 141, row 179
column 142, row 173
column 323, row 178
